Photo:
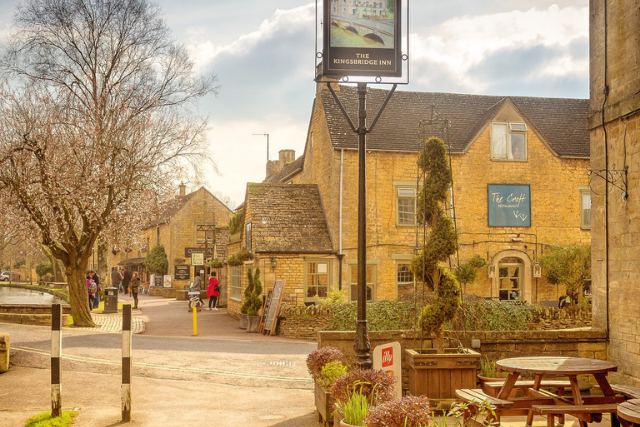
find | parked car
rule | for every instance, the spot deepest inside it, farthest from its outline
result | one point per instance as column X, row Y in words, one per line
column 7, row 276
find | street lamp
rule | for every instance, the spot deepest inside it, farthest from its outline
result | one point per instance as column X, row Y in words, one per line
column 267, row 135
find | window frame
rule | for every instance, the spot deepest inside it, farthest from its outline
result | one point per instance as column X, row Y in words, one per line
column 508, row 156
column 235, row 283
column 520, row 280
column 400, row 197
column 374, row 279
column 585, row 192
column 247, row 237
column 306, row 274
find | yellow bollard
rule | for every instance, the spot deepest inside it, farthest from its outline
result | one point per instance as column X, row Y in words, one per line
column 194, row 308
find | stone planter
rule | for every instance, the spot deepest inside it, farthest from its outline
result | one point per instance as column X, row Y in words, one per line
column 252, row 323
column 439, row 375
column 244, row 322
column 344, row 424
column 325, row 404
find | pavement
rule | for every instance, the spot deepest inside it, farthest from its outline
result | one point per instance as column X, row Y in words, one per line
column 223, row 376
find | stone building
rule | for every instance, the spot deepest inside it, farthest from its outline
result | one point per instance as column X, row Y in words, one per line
column 614, row 123
column 286, row 230
column 520, row 184
column 194, row 222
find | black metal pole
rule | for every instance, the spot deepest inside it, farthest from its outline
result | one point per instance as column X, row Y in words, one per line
column 362, row 346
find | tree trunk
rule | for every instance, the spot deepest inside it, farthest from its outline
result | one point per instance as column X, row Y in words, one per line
column 79, row 295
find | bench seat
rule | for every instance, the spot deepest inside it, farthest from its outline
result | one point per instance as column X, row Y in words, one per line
column 474, row 397
column 495, row 386
column 625, row 390
column 629, row 413
column 561, row 410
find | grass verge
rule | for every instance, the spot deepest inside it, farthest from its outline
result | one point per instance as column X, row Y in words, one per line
column 46, row 420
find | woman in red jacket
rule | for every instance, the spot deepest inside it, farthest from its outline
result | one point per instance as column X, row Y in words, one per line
column 213, row 291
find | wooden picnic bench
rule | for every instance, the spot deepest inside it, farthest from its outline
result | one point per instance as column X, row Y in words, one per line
column 594, row 411
column 629, row 413
column 493, row 387
column 625, row 390
column 474, row 397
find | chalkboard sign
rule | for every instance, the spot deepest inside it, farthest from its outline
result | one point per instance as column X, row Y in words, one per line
column 182, row 272
column 272, row 307
column 509, row 205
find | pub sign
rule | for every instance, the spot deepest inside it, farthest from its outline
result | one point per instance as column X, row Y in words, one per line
column 509, row 205
column 362, row 38
column 182, row 272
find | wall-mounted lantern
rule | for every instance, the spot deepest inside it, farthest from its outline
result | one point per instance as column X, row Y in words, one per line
column 492, row 271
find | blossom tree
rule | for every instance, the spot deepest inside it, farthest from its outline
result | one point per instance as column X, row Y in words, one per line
column 98, row 121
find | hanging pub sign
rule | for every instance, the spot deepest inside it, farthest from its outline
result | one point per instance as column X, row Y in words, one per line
column 362, row 38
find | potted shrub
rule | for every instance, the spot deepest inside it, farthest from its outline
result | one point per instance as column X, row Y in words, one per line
column 351, row 390
column 319, row 364
column 408, row 411
column 428, row 368
column 253, row 301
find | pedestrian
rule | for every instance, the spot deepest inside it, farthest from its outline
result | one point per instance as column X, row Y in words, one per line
column 134, row 285
column 126, row 278
column 94, row 276
column 213, row 291
column 116, row 279
column 91, row 289
column 196, row 287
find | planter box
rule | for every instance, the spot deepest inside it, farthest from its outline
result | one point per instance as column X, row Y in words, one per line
column 439, row 375
column 244, row 321
column 325, row 405
column 253, row 323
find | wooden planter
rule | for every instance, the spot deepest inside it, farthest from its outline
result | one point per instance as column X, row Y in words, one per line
column 325, row 404
column 439, row 375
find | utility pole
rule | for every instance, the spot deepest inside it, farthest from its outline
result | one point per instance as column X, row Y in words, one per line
column 267, row 135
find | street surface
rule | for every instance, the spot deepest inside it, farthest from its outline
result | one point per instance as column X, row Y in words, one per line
column 222, row 377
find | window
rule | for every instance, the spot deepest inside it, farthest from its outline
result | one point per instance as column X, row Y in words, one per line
column 404, row 276
column 510, row 279
column 317, row 280
column 371, row 282
column 585, row 208
column 247, row 236
column 509, row 141
column 234, row 284
column 201, row 234
column 406, row 206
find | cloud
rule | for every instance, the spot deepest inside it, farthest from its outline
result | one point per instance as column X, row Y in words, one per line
column 462, row 46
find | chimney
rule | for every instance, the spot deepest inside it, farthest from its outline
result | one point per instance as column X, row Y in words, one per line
column 183, row 189
column 275, row 166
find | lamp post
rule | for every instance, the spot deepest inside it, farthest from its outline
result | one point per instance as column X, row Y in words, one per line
column 267, row 135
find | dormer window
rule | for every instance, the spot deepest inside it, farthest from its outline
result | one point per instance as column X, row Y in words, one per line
column 508, row 141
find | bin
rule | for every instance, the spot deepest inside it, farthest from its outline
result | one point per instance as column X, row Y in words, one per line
column 110, row 300
column 194, row 299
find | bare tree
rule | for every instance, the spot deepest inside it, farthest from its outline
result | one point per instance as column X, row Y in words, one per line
column 98, row 121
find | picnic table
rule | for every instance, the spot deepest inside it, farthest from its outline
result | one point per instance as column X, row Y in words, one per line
column 629, row 413
column 544, row 402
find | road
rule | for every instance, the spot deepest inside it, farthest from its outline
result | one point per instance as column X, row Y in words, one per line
column 229, row 379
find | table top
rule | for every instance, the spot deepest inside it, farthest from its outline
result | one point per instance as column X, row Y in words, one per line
column 556, row 365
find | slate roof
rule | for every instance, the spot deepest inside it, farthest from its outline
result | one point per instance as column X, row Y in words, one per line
column 561, row 122
column 172, row 208
column 288, row 170
column 287, row 218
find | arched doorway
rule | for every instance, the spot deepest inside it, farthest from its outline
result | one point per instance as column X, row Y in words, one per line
column 512, row 281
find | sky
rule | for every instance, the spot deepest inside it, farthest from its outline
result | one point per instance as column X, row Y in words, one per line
column 263, row 53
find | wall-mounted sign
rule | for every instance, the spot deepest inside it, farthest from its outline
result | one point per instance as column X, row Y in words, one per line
column 509, row 205
column 182, row 272
column 362, row 38
column 197, row 258
column 189, row 251
column 166, row 280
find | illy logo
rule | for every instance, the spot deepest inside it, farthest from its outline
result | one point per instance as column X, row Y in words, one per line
column 387, row 357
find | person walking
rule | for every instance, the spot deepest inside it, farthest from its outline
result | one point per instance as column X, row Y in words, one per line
column 94, row 276
column 116, row 279
column 91, row 289
column 196, row 286
column 134, row 286
column 213, row 291
column 126, row 278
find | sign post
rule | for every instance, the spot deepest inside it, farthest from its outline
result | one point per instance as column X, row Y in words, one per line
column 365, row 42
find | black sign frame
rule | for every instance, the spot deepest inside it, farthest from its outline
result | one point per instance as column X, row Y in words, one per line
column 361, row 61
column 182, row 272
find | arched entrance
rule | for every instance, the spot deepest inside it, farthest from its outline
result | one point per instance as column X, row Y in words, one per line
column 512, row 281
